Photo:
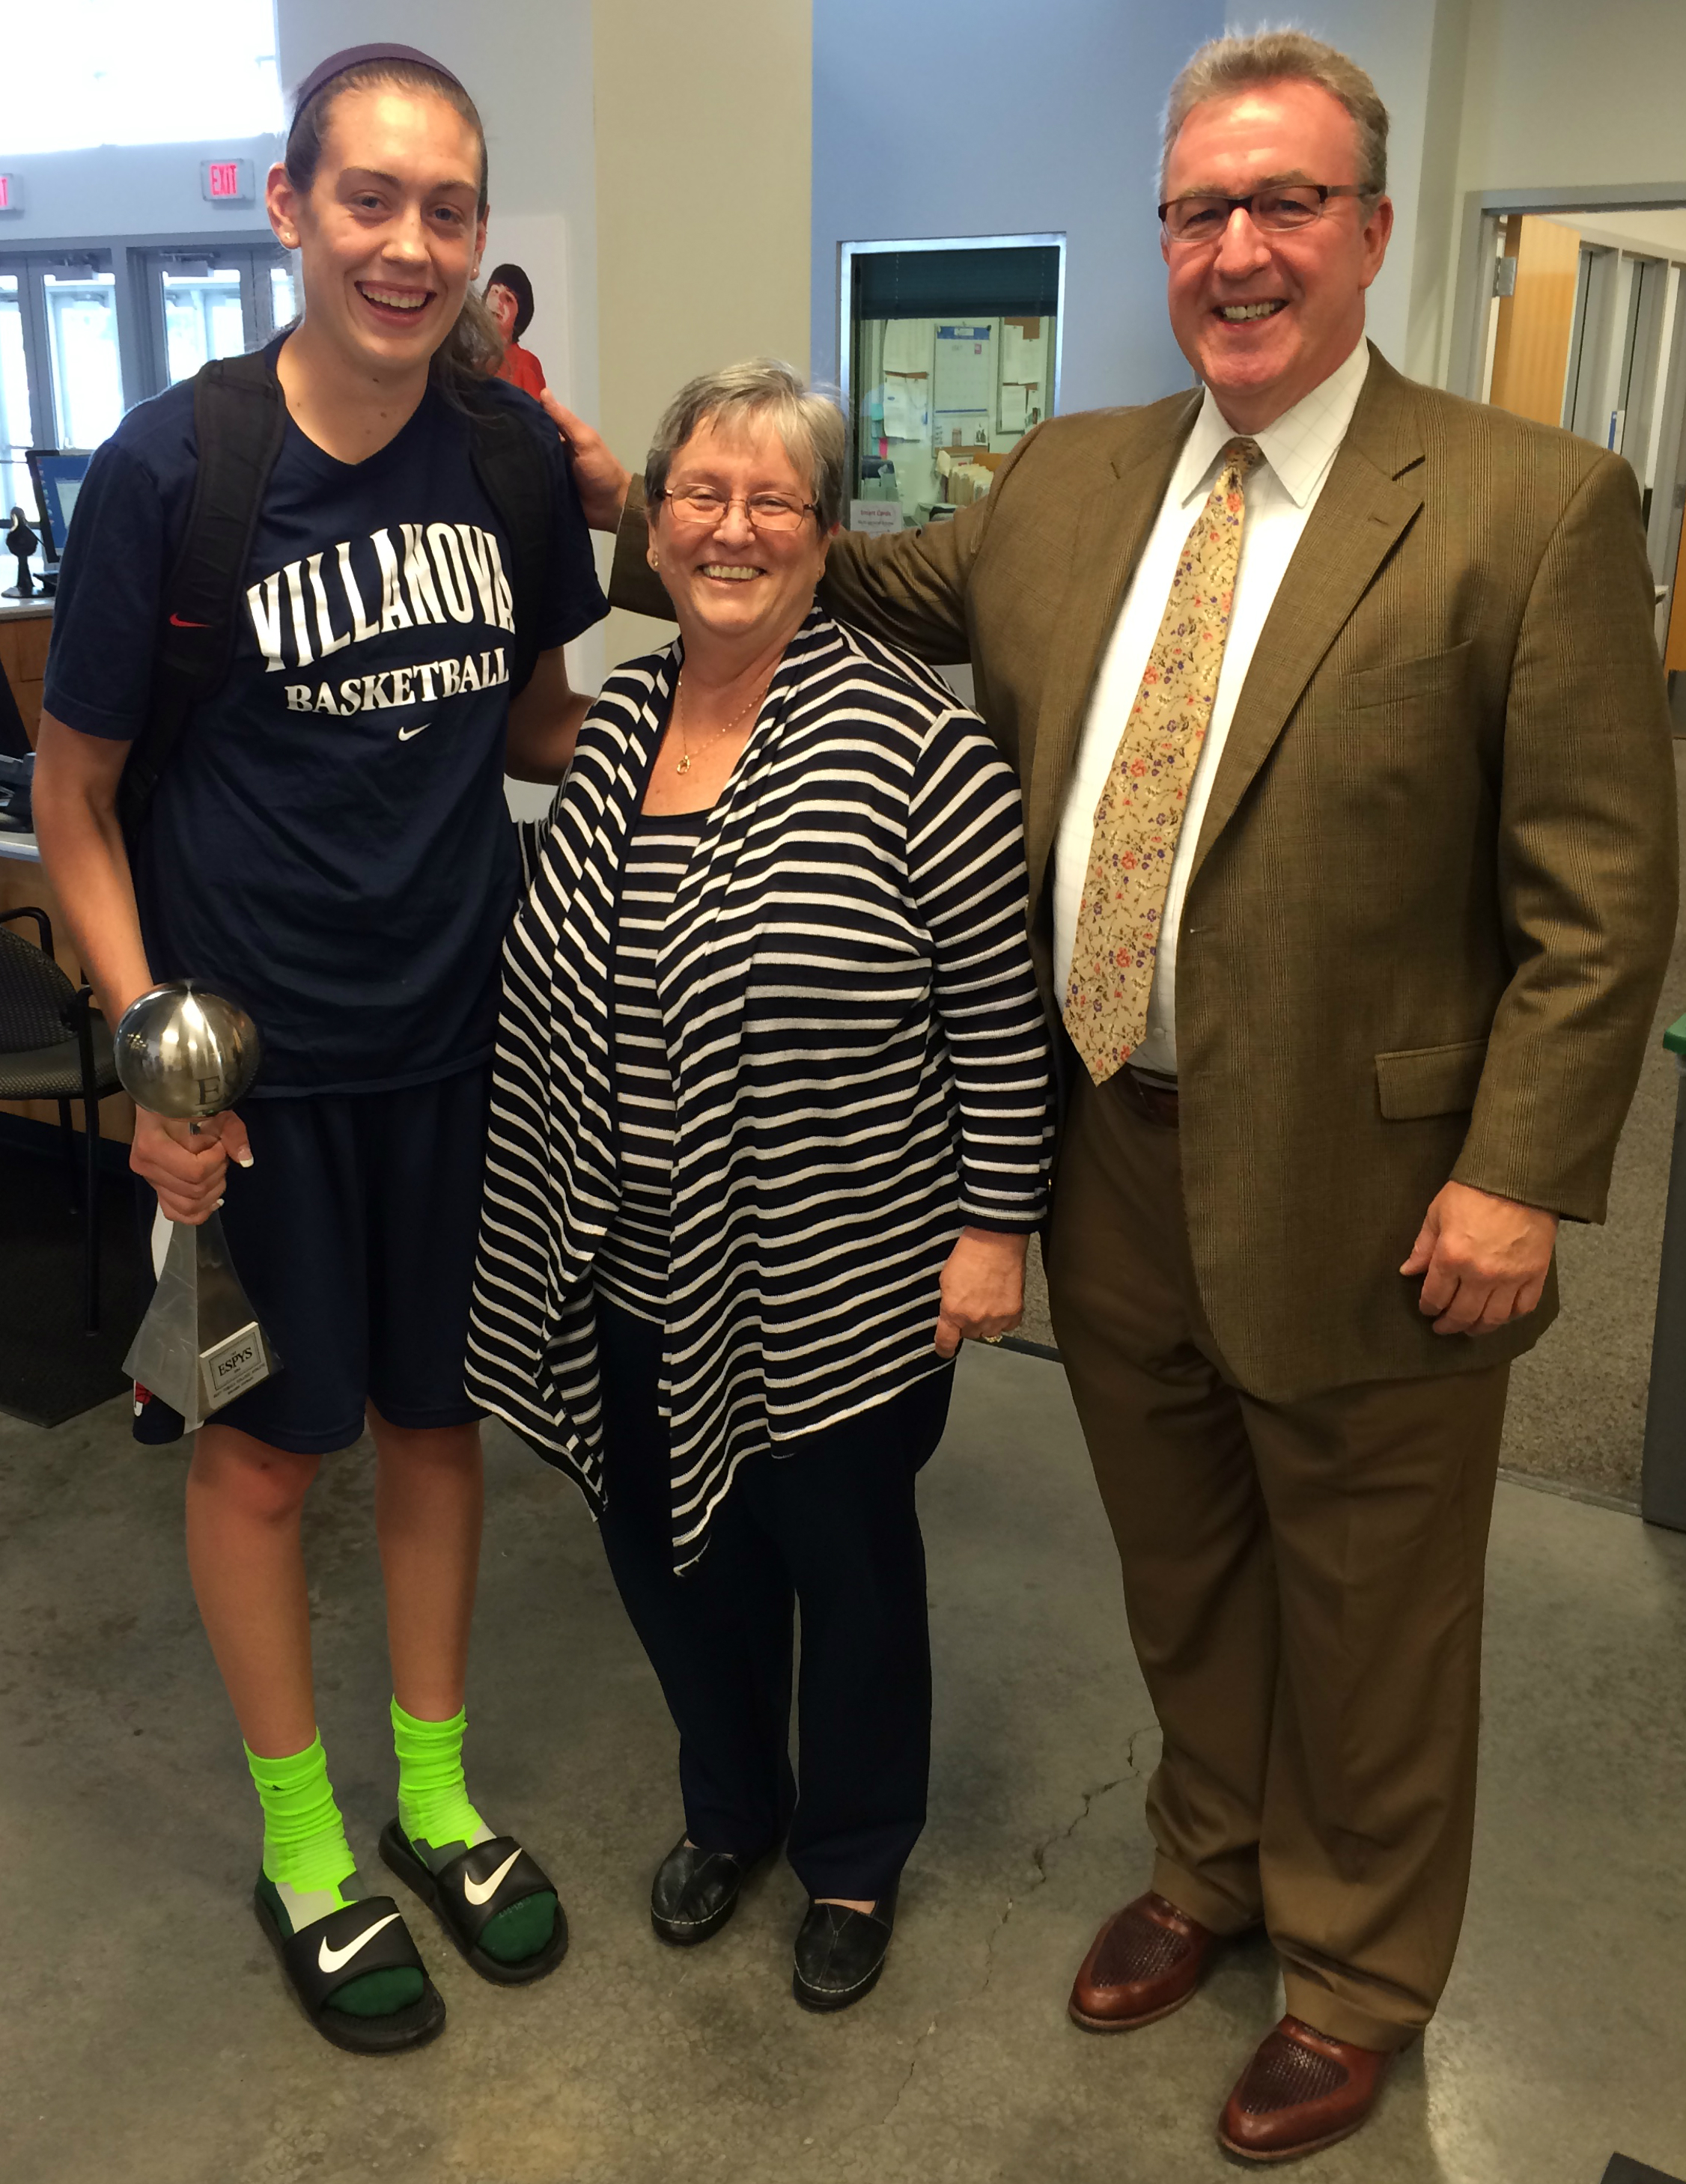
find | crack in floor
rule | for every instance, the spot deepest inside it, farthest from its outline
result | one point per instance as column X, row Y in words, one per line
column 1039, row 1858
column 1039, row 1852
column 913, row 2065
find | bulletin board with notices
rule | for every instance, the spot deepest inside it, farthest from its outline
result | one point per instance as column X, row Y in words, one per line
column 951, row 354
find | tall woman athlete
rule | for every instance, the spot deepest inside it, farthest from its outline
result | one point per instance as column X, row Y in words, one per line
column 329, row 845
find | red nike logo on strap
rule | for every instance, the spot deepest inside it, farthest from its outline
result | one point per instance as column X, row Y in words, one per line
column 177, row 621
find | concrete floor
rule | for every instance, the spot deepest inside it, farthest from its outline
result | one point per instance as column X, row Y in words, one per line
column 148, row 2036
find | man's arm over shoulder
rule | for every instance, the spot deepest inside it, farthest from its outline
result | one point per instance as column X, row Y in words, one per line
column 1588, row 861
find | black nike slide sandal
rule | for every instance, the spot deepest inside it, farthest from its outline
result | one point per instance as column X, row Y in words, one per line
column 322, row 1957
column 469, row 1893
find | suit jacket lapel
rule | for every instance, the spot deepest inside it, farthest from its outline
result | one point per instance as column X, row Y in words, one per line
column 1112, row 527
column 1362, row 511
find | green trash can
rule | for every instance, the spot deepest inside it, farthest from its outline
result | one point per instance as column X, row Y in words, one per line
column 1662, row 1485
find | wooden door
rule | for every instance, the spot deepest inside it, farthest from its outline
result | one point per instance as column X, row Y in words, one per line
column 1531, row 346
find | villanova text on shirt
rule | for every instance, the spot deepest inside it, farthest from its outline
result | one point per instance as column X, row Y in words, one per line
column 432, row 574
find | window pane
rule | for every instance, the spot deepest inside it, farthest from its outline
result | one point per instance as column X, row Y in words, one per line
column 952, row 354
column 14, row 404
column 88, row 382
column 202, row 317
column 283, row 296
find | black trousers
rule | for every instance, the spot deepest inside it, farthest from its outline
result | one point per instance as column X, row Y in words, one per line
column 831, row 1527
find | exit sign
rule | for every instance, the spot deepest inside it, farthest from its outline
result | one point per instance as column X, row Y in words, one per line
column 226, row 181
column 11, row 194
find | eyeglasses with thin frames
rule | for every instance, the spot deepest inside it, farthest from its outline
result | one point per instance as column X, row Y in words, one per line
column 1282, row 209
column 701, row 504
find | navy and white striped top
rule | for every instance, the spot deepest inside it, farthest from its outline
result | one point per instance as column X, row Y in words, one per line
column 859, row 1060
column 632, row 1266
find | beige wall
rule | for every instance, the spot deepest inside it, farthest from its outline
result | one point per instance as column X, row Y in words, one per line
column 1557, row 91
column 704, row 155
column 1551, row 94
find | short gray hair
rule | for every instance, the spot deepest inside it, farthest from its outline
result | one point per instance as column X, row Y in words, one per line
column 1224, row 66
column 806, row 419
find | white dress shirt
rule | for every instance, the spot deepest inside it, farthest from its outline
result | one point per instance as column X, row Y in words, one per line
column 1299, row 451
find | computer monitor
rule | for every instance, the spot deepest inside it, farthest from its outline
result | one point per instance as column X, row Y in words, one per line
column 57, row 474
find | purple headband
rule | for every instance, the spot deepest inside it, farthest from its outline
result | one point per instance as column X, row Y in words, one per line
column 354, row 56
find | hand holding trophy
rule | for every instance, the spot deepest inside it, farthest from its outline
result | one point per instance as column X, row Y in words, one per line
column 185, row 1053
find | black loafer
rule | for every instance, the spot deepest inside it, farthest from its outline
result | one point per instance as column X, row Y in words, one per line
column 695, row 1892
column 840, row 1953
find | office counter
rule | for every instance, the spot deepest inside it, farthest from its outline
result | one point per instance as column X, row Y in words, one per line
column 25, row 625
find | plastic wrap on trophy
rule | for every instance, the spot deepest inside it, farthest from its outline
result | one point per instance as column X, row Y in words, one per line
column 187, row 1054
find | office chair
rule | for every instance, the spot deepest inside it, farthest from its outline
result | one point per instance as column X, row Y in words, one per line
column 55, row 1045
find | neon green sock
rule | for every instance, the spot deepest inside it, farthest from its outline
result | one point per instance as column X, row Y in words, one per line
column 435, row 1815
column 308, row 1868
column 433, row 1800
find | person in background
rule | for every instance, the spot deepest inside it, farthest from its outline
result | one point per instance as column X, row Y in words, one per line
column 330, row 845
column 509, row 298
column 1351, row 820
column 760, row 1159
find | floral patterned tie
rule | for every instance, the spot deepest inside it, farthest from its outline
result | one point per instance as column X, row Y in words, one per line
column 1140, row 814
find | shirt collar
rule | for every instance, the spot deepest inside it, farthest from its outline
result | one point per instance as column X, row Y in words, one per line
column 1300, row 445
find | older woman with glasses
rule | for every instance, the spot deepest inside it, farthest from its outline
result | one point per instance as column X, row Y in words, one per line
column 769, row 1134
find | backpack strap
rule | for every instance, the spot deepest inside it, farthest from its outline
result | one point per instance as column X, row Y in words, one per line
column 516, row 480
column 239, row 422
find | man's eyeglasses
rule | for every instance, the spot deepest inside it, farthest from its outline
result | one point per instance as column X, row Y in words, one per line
column 768, row 511
column 1279, row 211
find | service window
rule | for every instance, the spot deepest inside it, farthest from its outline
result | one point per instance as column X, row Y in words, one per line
column 950, row 355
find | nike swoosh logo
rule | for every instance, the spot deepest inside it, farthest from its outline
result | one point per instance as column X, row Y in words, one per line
column 482, row 1892
column 332, row 1959
column 405, row 734
column 177, row 622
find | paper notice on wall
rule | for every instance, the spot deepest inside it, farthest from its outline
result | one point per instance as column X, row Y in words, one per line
column 1020, row 359
column 1013, row 405
column 906, row 345
column 874, row 515
column 965, row 366
column 907, row 412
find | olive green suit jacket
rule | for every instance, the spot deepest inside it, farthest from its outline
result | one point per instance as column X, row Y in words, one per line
column 1434, row 894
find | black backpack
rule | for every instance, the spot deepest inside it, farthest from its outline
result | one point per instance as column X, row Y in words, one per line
column 239, row 420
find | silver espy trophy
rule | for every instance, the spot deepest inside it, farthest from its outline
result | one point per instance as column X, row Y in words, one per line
column 187, row 1054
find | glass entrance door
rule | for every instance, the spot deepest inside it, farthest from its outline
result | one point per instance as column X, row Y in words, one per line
column 16, row 430
column 219, row 303
column 203, row 317
column 87, row 375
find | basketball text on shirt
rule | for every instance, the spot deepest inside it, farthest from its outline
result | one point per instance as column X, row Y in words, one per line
column 420, row 685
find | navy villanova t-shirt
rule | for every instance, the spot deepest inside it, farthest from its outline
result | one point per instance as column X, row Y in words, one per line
column 329, row 844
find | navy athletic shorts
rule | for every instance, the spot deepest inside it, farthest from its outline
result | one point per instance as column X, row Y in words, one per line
column 354, row 1233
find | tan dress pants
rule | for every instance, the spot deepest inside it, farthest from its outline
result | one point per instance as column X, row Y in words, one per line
column 1304, row 1586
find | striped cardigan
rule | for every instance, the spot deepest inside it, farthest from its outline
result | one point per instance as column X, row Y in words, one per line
column 859, row 1058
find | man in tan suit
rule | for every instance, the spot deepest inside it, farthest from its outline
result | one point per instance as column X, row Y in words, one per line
column 1349, row 804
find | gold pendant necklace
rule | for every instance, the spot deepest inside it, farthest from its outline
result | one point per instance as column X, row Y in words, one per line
column 684, row 765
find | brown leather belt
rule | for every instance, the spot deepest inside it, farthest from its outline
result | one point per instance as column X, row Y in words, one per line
column 1154, row 1103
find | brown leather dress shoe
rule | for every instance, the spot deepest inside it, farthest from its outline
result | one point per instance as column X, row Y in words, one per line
column 1145, row 1963
column 1302, row 2091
